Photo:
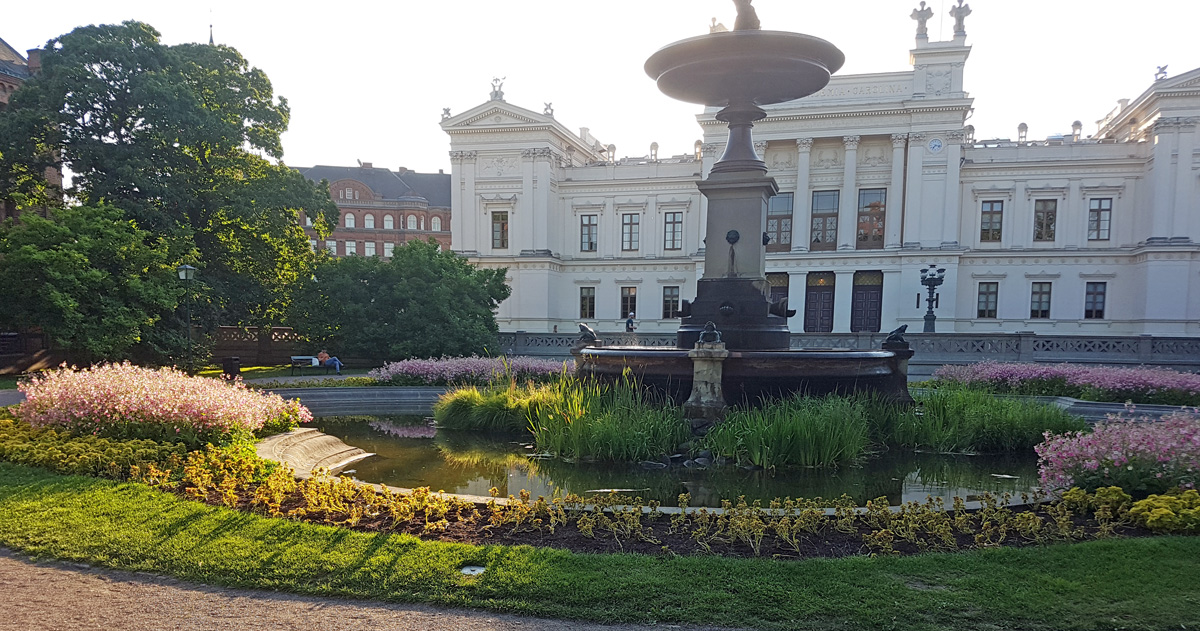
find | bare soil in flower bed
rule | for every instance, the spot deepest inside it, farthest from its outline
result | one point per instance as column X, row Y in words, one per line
column 659, row 537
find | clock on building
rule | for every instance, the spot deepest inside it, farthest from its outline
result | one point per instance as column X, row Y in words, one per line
column 935, row 145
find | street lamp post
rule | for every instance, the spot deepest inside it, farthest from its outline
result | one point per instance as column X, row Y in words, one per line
column 932, row 278
column 186, row 274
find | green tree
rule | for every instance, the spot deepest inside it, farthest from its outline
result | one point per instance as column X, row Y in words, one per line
column 422, row 303
column 186, row 141
column 88, row 277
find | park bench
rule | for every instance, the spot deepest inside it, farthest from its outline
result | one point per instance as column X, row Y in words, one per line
column 300, row 362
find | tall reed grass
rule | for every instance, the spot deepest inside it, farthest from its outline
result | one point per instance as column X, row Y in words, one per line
column 795, row 432
column 974, row 421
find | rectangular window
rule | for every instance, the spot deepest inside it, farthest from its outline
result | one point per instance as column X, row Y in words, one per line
column 630, row 231
column 670, row 302
column 989, row 298
column 673, row 231
column 312, row 244
column 1039, row 301
column 589, row 231
column 499, row 229
column 587, row 303
column 1099, row 219
column 872, row 204
column 779, row 223
column 628, row 301
column 331, row 247
column 351, row 248
column 388, row 249
column 825, row 220
column 1045, row 214
column 990, row 220
column 307, row 221
column 1093, row 301
column 369, row 248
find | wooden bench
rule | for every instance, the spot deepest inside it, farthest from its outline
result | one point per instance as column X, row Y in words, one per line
column 300, row 362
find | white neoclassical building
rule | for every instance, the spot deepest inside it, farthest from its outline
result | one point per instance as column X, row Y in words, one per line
column 879, row 177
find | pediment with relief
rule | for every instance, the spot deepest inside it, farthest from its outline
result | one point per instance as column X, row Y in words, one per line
column 493, row 114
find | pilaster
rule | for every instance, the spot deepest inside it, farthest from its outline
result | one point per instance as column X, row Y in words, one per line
column 848, row 212
column 802, row 202
column 893, row 219
column 912, row 190
column 953, row 212
column 843, row 294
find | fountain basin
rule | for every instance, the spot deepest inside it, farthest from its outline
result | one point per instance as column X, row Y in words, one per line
column 750, row 375
column 744, row 67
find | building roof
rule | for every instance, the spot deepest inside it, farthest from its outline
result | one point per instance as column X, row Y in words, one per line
column 389, row 185
column 12, row 63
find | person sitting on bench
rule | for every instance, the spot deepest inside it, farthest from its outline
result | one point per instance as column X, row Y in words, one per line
column 331, row 362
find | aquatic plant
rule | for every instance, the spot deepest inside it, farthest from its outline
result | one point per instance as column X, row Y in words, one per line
column 797, row 431
column 974, row 421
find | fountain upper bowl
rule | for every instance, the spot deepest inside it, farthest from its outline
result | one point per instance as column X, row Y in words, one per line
column 745, row 67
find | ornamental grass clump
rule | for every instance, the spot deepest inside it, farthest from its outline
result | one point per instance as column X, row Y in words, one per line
column 1091, row 383
column 795, row 432
column 126, row 401
column 973, row 421
column 463, row 371
column 1140, row 456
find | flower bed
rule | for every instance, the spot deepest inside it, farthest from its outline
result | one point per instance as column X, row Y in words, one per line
column 1092, row 383
column 473, row 370
column 1138, row 455
column 126, row 401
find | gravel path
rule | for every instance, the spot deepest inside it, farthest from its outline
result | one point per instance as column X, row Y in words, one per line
column 60, row 596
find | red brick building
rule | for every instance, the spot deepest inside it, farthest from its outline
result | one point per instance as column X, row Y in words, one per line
column 14, row 70
column 382, row 209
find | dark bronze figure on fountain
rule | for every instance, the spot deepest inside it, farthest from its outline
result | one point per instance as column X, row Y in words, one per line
column 747, row 19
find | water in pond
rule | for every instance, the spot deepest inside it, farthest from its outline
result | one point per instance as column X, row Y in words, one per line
column 413, row 455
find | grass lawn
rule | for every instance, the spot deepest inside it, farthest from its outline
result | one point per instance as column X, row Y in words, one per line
column 273, row 372
column 1127, row 584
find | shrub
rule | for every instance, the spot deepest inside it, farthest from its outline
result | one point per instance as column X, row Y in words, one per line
column 952, row 421
column 1093, row 383
column 461, row 371
column 1141, row 456
column 1169, row 514
column 797, row 431
column 125, row 401
column 22, row 443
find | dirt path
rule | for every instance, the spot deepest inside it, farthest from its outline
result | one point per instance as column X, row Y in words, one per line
column 65, row 596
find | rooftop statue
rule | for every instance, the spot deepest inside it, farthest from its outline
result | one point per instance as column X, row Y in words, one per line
column 960, row 13
column 922, row 16
column 747, row 19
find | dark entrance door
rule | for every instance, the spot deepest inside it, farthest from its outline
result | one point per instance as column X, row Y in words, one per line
column 866, row 302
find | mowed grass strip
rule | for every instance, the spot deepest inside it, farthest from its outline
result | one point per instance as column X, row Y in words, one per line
column 1127, row 584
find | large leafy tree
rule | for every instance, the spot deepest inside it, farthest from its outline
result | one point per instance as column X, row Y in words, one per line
column 88, row 277
column 186, row 141
column 424, row 302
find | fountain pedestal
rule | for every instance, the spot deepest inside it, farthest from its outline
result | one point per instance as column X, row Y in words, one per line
column 706, row 407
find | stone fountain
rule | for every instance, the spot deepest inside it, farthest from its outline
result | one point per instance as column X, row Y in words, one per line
column 733, row 345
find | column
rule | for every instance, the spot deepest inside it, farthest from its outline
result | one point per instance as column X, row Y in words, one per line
column 1071, row 231
column 1185, row 181
column 848, row 213
column 953, row 213
column 912, row 190
column 464, row 217
column 1162, row 180
column 894, row 299
column 797, row 288
column 610, row 230
column 843, row 293
column 893, row 220
column 522, row 228
column 802, row 204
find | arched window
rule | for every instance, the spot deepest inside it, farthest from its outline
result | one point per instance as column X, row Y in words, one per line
column 369, row 222
column 349, row 220
column 388, row 223
column 412, row 222
column 435, row 224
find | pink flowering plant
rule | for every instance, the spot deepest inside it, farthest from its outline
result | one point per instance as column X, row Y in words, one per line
column 1091, row 383
column 126, row 401
column 474, row 371
column 1138, row 455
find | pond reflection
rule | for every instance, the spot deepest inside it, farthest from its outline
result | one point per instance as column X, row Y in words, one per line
column 410, row 454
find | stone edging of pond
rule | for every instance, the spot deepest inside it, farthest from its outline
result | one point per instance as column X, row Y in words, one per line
column 306, row 449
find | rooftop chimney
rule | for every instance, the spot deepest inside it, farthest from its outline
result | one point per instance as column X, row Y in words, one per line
column 35, row 61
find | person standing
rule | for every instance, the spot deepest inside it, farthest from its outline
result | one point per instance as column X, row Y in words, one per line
column 331, row 362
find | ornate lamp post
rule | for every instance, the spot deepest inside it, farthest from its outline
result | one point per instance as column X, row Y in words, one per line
column 186, row 274
column 932, row 279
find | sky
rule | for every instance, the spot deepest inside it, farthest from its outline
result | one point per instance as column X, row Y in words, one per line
column 367, row 80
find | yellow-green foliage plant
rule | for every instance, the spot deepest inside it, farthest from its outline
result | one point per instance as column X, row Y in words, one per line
column 1169, row 514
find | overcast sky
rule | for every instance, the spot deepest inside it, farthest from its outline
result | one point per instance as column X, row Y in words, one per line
column 367, row 80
